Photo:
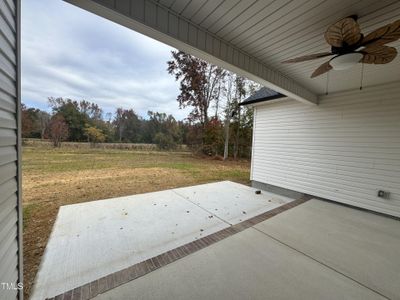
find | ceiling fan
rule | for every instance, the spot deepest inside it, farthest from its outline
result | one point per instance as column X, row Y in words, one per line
column 349, row 46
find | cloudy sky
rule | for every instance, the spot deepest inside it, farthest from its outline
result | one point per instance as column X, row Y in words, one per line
column 68, row 52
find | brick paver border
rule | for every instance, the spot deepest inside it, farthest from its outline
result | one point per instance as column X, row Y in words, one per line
column 111, row 281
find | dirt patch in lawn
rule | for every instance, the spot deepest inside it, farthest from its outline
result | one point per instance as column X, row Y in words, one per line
column 75, row 187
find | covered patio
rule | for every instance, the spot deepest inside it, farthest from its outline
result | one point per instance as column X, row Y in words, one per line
column 94, row 239
column 326, row 137
column 322, row 136
column 219, row 241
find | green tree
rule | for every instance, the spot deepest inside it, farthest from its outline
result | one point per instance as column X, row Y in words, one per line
column 77, row 114
column 164, row 128
column 127, row 125
column 164, row 141
column 74, row 118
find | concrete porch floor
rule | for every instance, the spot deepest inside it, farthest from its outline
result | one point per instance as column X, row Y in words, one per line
column 94, row 239
column 317, row 250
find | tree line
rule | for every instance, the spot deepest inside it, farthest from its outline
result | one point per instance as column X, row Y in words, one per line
column 216, row 124
column 84, row 121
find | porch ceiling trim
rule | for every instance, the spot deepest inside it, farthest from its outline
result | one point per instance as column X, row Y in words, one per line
column 159, row 22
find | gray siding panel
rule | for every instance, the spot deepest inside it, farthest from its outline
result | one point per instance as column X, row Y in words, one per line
column 6, row 208
column 7, row 50
column 10, row 208
column 10, row 275
column 8, row 14
column 8, row 224
column 7, row 155
column 7, row 120
column 7, row 31
column 10, row 246
column 11, row 5
column 7, row 85
column 7, row 67
column 7, row 103
column 8, row 137
column 7, row 172
column 7, row 189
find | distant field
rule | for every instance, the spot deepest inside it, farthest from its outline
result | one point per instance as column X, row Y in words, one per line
column 29, row 142
column 55, row 177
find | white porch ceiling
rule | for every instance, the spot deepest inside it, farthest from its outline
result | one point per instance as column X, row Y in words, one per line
column 264, row 32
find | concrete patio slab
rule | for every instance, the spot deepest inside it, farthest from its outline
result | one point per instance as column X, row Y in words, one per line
column 248, row 265
column 356, row 243
column 94, row 239
column 231, row 202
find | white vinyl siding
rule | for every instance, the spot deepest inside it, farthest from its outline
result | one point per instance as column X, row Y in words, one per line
column 345, row 149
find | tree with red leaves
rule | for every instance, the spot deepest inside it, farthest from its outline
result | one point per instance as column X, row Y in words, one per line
column 200, row 84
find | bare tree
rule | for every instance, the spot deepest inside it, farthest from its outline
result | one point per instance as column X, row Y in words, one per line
column 240, row 93
column 235, row 92
column 229, row 93
column 119, row 122
column 58, row 130
column 44, row 119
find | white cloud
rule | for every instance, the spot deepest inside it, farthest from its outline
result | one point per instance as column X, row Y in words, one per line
column 68, row 52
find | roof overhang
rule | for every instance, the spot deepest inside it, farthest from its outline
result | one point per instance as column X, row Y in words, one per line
column 266, row 101
column 252, row 38
column 160, row 22
column 262, row 95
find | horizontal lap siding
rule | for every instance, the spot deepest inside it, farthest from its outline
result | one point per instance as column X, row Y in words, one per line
column 9, row 208
column 345, row 149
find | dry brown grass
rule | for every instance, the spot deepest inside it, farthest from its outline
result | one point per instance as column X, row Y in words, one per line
column 55, row 177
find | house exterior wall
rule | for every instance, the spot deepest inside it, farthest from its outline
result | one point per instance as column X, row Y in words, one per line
column 345, row 149
column 10, row 197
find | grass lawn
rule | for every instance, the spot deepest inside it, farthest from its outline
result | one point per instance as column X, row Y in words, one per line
column 55, row 177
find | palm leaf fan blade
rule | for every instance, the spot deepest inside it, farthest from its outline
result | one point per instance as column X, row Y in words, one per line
column 344, row 32
column 383, row 35
column 378, row 55
column 308, row 57
column 325, row 67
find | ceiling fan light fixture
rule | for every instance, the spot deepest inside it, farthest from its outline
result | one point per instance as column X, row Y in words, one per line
column 349, row 46
column 345, row 61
